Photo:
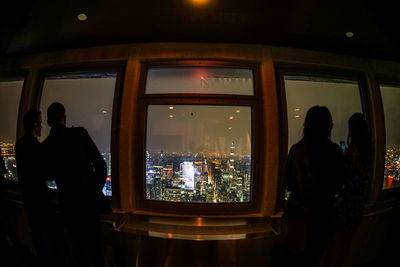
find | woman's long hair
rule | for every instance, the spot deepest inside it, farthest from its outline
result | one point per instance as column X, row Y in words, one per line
column 317, row 125
column 359, row 137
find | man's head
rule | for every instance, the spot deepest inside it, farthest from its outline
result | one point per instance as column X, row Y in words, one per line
column 56, row 114
column 33, row 122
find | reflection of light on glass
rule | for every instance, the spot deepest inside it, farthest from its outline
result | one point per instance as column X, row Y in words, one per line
column 171, row 116
column 238, row 111
column 199, row 221
column 296, row 109
column 349, row 34
column 248, row 143
column 297, row 116
column 171, row 107
column 104, row 111
column 231, row 117
column 230, row 128
column 108, row 179
column 169, row 235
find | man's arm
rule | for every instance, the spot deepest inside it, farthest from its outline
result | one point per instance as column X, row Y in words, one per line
column 99, row 165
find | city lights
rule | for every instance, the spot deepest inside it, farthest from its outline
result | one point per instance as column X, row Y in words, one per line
column 392, row 168
column 199, row 177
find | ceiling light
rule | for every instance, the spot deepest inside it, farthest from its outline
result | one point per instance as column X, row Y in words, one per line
column 349, row 34
column 199, row 2
column 82, row 17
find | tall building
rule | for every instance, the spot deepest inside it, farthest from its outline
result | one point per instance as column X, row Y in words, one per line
column 187, row 172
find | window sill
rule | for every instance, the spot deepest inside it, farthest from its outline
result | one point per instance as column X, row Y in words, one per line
column 199, row 229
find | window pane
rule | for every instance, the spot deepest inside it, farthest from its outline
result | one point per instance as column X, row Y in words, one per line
column 342, row 98
column 198, row 153
column 205, row 80
column 89, row 103
column 391, row 107
column 10, row 94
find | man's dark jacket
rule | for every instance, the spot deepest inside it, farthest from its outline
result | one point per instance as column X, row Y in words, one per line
column 73, row 160
column 30, row 175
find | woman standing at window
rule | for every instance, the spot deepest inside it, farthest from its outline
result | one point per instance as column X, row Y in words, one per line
column 314, row 174
column 351, row 201
column 358, row 161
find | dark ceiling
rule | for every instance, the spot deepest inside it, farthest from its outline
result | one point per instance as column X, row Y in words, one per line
column 48, row 25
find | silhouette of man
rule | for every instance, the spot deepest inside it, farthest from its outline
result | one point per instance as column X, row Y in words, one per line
column 31, row 180
column 79, row 170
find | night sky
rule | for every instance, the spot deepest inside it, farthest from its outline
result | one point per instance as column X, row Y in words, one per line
column 200, row 128
column 88, row 103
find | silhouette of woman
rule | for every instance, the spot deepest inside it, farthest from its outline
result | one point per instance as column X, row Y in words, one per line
column 314, row 174
column 350, row 204
column 358, row 157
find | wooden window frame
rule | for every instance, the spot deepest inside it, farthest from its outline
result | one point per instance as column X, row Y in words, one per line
column 301, row 69
column 117, row 67
column 145, row 206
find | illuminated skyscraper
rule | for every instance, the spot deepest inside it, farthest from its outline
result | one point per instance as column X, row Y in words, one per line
column 187, row 171
column 231, row 162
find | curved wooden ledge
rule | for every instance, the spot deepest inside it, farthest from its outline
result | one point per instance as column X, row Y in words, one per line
column 199, row 229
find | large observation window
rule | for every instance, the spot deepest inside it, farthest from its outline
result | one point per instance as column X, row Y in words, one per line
column 10, row 94
column 341, row 97
column 391, row 106
column 197, row 149
column 88, row 100
column 198, row 153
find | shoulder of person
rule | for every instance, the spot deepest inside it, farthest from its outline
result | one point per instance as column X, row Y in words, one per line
column 299, row 147
column 78, row 130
